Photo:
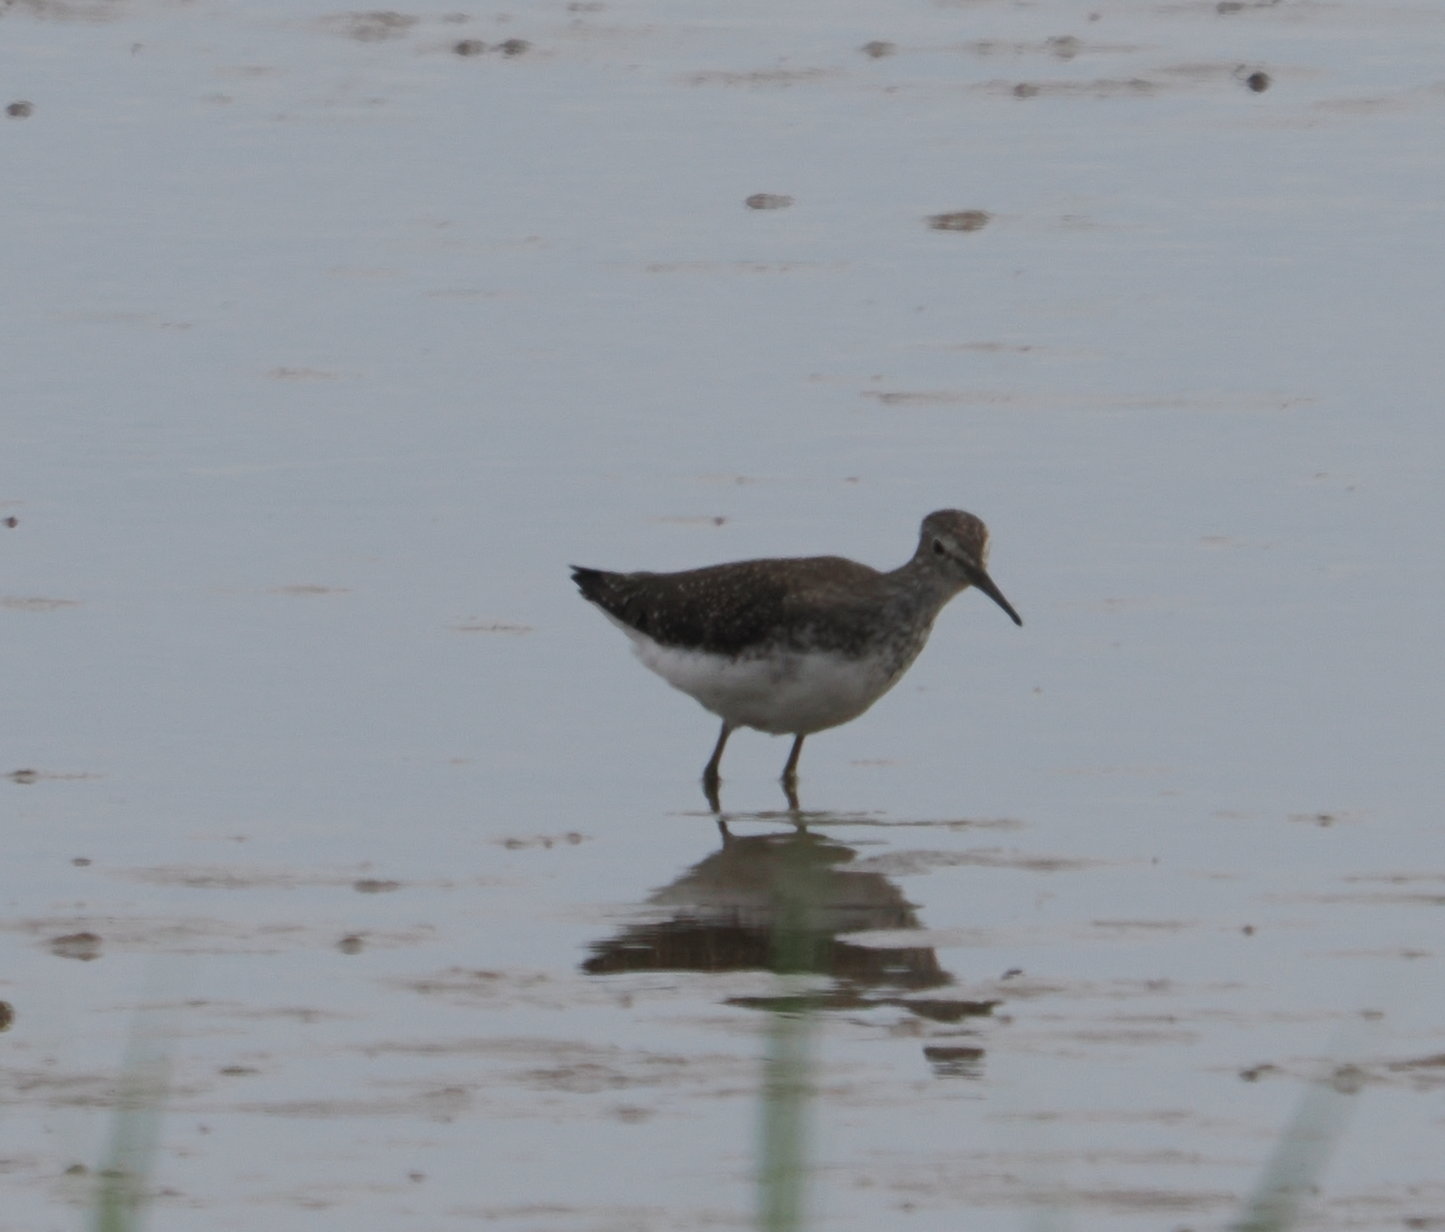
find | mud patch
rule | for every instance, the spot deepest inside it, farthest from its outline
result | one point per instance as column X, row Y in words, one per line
column 373, row 27
column 912, row 863
column 778, row 78
column 960, row 220
column 15, row 603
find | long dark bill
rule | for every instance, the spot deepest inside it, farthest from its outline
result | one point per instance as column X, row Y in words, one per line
column 980, row 578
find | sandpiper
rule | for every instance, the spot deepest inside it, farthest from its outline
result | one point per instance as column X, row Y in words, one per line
column 797, row 645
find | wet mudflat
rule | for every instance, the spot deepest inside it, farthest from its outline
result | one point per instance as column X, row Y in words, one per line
column 334, row 337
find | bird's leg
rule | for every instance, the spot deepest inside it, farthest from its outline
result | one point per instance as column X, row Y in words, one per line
column 790, row 771
column 710, row 776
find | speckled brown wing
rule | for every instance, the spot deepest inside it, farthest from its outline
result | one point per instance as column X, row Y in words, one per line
column 729, row 609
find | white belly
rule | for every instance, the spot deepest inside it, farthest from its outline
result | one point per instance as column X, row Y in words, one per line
column 789, row 693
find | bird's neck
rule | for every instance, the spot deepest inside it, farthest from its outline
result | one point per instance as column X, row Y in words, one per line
column 922, row 590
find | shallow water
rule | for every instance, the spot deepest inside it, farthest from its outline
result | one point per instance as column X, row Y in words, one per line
column 334, row 337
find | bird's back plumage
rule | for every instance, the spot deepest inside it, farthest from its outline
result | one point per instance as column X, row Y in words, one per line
column 806, row 603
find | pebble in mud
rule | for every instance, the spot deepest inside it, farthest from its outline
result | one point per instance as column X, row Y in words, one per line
column 768, row 201
column 469, row 47
column 19, row 109
column 878, row 48
column 1258, row 82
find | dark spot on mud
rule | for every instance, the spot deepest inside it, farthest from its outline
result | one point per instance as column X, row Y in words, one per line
column 19, row 109
column 371, row 885
column 83, row 946
column 1315, row 819
column 81, row 861
column 878, row 48
column 768, row 201
column 1258, row 82
column 12, row 522
column 955, row 1062
column 238, row 1071
column 475, row 47
column 7, row 1015
column 1025, row 90
column 959, row 220
column 350, row 945
column 23, row 776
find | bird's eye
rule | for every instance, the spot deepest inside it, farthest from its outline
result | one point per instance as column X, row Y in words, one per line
column 938, row 547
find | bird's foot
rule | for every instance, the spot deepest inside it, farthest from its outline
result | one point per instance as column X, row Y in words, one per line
column 790, row 790
column 711, row 781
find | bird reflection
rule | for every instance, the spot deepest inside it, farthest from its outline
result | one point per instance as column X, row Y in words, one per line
column 784, row 902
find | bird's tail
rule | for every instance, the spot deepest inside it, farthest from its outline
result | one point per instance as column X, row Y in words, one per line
column 591, row 582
